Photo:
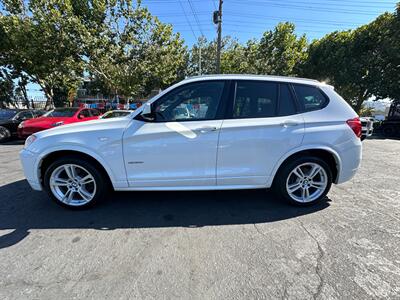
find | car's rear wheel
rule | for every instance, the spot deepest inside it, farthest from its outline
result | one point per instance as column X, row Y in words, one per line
column 304, row 180
column 75, row 183
column 5, row 134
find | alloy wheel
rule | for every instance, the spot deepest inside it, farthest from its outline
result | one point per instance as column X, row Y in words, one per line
column 306, row 182
column 72, row 184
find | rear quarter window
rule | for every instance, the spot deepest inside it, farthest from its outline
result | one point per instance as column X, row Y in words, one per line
column 310, row 97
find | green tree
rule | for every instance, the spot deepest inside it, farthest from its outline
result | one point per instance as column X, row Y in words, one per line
column 36, row 41
column 131, row 51
column 280, row 51
column 360, row 63
column 384, row 59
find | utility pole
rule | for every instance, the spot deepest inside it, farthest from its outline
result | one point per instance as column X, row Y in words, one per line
column 218, row 20
column 199, row 59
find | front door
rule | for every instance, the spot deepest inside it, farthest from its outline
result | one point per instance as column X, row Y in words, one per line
column 178, row 148
column 263, row 125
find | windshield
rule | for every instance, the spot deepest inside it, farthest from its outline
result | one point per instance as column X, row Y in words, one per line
column 115, row 114
column 7, row 114
column 61, row 112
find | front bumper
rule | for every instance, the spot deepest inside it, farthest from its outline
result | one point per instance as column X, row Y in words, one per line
column 24, row 132
column 31, row 172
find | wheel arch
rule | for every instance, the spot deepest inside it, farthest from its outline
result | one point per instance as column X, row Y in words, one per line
column 51, row 156
column 330, row 156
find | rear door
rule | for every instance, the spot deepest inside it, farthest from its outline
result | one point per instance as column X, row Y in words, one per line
column 264, row 122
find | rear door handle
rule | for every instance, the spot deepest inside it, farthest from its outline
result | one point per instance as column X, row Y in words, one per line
column 289, row 123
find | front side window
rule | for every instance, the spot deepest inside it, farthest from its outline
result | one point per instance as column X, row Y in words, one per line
column 195, row 101
column 310, row 97
column 84, row 114
column 255, row 99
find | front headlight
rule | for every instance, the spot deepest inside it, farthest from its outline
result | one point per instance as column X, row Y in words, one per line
column 21, row 125
column 30, row 140
column 57, row 123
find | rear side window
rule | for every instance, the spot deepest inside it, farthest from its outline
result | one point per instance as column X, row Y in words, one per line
column 286, row 106
column 310, row 97
column 255, row 99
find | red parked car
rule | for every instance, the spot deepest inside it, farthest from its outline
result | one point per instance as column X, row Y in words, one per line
column 56, row 117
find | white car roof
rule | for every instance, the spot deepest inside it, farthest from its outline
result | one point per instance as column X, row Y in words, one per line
column 254, row 77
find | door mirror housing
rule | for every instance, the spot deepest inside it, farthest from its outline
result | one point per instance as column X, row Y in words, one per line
column 146, row 109
column 147, row 113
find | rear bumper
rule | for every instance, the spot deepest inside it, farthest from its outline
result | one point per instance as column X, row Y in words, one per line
column 350, row 156
column 29, row 165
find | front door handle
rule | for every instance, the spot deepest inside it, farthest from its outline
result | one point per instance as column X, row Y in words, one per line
column 289, row 123
column 207, row 129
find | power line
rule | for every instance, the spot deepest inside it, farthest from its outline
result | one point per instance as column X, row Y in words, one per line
column 187, row 20
column 195, row 17
column 310, row 8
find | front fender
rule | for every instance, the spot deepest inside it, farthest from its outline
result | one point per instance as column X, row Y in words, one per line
column 111, row 165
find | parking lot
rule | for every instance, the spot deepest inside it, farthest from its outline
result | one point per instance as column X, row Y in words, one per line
column 205, row 245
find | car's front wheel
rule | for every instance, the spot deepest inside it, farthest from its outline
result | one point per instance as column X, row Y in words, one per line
column 75, row 183
column 304, row 180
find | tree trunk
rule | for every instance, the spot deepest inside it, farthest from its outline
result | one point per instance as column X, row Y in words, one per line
column 49, row 98
column 22, row 86
column 360, row 100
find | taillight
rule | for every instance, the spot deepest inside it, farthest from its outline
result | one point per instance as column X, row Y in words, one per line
column 355, row 125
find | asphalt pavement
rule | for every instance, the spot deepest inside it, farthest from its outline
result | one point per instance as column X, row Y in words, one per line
column 205, row 245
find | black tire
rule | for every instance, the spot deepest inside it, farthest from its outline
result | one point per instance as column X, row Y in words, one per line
column 388, row 131
column 5, row 134
column 101, row 181
column 281, row 178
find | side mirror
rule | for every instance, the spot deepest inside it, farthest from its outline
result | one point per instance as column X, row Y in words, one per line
column 146, row 109
column 146, row 114
column 80, row 116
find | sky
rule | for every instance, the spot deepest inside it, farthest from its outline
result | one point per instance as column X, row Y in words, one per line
column 246, row 20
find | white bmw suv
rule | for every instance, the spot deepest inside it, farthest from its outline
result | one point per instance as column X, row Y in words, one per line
column 240, row 132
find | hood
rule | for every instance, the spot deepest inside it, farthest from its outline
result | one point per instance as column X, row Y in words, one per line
column 87, row 126
column 44, row 121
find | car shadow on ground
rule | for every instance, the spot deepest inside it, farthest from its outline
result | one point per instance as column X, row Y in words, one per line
column 13, row 142
column 382, row 137
column 22, row 209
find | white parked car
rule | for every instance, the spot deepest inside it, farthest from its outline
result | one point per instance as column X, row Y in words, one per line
column 255, row 132
column 367, row 127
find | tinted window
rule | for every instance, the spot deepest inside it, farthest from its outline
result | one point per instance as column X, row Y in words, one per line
column 196, row 101
column 61, row 112
column 38, row 113
column 84, row 113
column 286, row 102
column 95, row 112
column 115, row 114
column 310, row 97
column 23, row 115
column 255, row 99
